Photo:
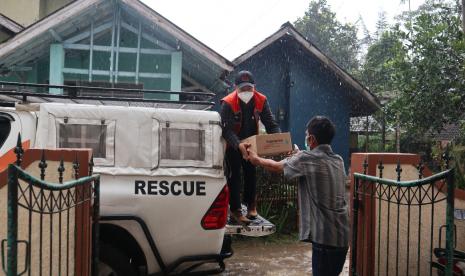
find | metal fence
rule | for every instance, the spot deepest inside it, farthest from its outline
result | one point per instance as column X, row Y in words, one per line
column 61, row 218
column 396, row 224
column 275, row 190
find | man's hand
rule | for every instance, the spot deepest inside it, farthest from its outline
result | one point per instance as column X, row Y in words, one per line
column 243, row 149
column 253, row 157
column 294, row 151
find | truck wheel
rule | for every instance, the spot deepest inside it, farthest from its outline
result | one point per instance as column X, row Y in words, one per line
column 113, row 262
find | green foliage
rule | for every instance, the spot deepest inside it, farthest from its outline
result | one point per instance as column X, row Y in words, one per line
column 434, row 80
column 264, row 210
column 337, row 40
column 375, row 143
column 457, row 154
column 419, row 65
column 458, row 157
column 277, row 200
column 283, row 216
column 380, row 72
column 381, row 25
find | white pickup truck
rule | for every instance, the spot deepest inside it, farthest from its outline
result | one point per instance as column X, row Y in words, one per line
column 164, row 198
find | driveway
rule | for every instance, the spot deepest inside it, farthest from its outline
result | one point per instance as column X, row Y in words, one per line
column 258, row 257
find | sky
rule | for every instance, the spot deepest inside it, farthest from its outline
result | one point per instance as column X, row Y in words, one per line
column 233, row 27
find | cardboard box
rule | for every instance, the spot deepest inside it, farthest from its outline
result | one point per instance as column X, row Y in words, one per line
column 270, row 144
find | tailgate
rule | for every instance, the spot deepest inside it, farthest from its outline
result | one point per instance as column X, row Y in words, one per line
column 259, row 227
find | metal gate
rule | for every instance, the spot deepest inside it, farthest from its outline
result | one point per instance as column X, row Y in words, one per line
column 52, row 227
column 396, row 225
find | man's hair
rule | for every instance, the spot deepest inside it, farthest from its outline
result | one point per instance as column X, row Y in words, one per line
column 322, row 128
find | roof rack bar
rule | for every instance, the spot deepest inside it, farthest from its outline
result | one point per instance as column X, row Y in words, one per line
column 100, row 98
column 7, row 104
column 148, row 91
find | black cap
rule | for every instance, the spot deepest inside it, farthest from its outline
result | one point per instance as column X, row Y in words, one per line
column 244, row 78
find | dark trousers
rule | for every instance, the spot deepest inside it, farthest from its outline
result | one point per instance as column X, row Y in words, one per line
column 235, row 162
column 327, row 260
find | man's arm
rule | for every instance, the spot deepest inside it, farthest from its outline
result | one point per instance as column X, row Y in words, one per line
column 268, row 119
column 267, row 164
column 227, row 123
column 289, row 166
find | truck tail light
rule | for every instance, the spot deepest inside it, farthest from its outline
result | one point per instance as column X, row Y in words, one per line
column 217, row 215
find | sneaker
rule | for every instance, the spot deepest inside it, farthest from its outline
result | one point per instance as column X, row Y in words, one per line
column 238, row 217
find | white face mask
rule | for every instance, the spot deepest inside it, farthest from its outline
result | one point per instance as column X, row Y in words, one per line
column 245, row 96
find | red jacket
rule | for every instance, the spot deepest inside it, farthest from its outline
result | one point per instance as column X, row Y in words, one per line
column 233, row 101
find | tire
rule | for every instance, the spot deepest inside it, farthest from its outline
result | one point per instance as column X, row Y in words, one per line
column 114, row 262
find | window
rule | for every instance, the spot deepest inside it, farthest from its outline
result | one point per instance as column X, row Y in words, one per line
column 183, row 144
column 84, row 136
column 5, row 127
column 98, row 135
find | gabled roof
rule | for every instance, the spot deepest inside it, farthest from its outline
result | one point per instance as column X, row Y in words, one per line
column 9, row 24
column 76, row 17
column 287, row 30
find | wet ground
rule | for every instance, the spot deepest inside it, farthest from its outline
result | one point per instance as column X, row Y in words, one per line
column 258, row 257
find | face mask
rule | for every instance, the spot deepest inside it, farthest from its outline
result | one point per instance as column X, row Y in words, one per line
column 307, row 147
column 245, row 96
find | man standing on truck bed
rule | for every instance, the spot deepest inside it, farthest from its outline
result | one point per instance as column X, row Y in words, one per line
column 240, row 113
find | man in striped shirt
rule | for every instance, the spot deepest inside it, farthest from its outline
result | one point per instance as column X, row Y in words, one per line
column 324, row 219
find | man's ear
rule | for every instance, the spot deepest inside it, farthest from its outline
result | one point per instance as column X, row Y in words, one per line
column 311, row 141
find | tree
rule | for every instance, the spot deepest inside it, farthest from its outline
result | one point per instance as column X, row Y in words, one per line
column 380, row 71
column 382, row 61
column 432, row 81
column 365, row 42
column 337, row 40
column 463, row 15
column 381, row 24
column 417, row 67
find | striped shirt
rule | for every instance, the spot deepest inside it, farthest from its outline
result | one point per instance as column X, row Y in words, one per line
column 323, row 208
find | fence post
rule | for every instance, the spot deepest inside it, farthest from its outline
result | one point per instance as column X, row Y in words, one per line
column 355, row 205
column 12, row 232
column 450, row 222
column 12, row 250
column 95, row 227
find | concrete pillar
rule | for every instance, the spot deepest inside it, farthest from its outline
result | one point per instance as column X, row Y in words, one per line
column 57, row 63
column 176, row 74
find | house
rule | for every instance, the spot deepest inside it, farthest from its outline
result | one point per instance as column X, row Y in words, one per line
column 103, row 43
column 300, row 82
column 126, row 44
column 449, row 133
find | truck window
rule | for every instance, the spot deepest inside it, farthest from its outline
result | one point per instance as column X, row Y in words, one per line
column 98, row 135
column 5, row 128
column 182, row 144
column 84, row 136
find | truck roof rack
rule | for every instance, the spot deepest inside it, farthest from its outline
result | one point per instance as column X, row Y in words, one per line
column 18, row 92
